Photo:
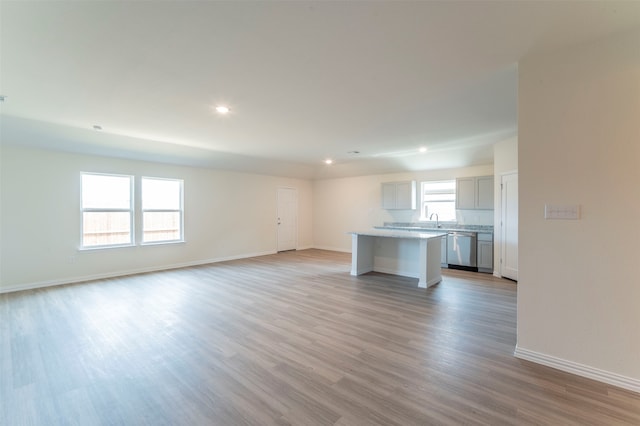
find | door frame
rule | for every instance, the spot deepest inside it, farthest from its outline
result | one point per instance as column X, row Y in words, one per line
column 502, row 218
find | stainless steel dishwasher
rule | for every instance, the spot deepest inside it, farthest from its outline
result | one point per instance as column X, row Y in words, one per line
column 461, row 250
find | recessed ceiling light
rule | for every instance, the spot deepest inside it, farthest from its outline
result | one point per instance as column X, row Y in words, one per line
column 222, row 109
column 423, row 149
column 328, row 161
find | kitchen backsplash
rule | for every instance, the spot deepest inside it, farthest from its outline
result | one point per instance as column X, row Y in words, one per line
column 474, row 217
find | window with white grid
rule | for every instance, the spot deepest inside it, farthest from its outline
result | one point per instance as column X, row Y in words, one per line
column 438, row 198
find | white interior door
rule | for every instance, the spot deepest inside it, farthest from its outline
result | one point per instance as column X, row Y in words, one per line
column 509, row 231
column 287, row 219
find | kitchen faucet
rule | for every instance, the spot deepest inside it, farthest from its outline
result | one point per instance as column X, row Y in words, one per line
column 437, row 221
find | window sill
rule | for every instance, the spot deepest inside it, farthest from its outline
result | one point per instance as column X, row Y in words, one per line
column 115, row 246
column 152, row 243
column 162, row 243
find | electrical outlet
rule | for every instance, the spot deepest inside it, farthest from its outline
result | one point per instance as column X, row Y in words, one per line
column 564, row 212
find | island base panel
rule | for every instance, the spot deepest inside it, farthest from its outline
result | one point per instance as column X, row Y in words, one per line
column 406, row 257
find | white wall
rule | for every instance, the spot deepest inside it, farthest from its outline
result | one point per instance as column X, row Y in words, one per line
column 348, row 204
column 227, row 215
column 579, row 143
column 505, row 160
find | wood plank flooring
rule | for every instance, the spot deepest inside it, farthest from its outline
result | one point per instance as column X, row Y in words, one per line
column 287, row 339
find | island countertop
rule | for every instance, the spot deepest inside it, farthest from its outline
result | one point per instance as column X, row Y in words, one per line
column 394, row 233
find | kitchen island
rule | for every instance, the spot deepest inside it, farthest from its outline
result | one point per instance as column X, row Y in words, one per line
column 407, row 253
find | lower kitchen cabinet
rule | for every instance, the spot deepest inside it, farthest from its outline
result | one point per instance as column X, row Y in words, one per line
column 485, row 252
column 443, row 253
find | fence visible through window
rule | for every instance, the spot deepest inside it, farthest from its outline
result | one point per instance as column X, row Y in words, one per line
column 107, row 210
column 161, row 210
column 108, row 216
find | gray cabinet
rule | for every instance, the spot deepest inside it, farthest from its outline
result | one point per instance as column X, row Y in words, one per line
column 466, row 193
column 485, row 252
column 389, row 195
column 474, row 193
column 484, row 193
column 399, row 195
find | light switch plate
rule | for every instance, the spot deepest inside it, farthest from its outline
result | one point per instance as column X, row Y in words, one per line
column 562, row 211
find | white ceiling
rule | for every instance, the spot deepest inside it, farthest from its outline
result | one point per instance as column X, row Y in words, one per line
column 304, row 80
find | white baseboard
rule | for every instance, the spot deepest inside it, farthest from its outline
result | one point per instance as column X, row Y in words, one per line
column 341, row 250
column 63, row 281
column 603, row 376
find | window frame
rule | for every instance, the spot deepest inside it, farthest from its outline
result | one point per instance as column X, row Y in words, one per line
column 180, row 211
column 130, row 210
column 423, row 217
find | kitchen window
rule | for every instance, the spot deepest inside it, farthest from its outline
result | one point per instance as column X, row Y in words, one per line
column 438, row 197
column 162, row 210
column 107, row 210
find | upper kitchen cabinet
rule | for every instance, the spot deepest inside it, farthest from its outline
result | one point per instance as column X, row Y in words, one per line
column 399, row 195
column 474, row 193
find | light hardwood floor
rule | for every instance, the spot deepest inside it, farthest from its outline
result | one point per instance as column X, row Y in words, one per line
column 283, row 339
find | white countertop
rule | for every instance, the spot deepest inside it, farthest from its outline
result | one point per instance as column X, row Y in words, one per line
column 434, row 229
column 392, row 233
